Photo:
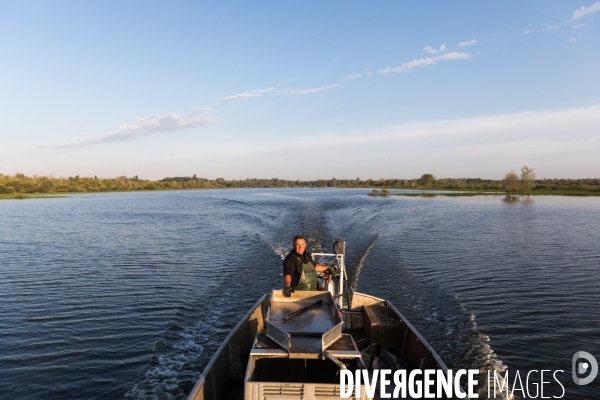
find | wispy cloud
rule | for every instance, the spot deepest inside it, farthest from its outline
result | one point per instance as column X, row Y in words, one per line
column 578, row 26
column 423, row 62
column 300, row 92
column 553, row 27
column 577, row 14
column 583, row 11
column 245, row 95
column 572, row 40
column 350, row 77
column 467, row 43
column 144, row 126
column 431, row 50
column 527, row 32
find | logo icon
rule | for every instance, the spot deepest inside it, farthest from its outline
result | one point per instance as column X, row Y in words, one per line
column 583, row 367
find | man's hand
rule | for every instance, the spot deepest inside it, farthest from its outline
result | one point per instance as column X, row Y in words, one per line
column 287, row 291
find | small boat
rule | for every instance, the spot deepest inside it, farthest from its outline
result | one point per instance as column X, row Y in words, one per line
column 268, row 357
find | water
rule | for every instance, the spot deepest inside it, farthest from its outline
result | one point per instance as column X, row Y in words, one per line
column 129, row 294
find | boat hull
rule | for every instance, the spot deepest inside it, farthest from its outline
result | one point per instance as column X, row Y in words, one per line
column 232, row 372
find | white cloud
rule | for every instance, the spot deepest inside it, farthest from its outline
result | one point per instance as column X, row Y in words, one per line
column 292, row 92
column 583, row 11
column 299, row 92
column 423, row 62
column 527, row 32
column 578, row 26
column 577, row 14
column 143, row 126
column 467, row 43
column 431, row 50
column 353, row 76
column 571, row 40
column 553, row 27
column 245, row 95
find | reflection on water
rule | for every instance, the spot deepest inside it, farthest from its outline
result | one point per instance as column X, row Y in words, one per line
column 524, row 200
column 131, row 293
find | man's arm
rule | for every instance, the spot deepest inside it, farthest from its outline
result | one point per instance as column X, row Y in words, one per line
column 287, row 281
column 289, row 268
column 321, row 268
column 318, row 267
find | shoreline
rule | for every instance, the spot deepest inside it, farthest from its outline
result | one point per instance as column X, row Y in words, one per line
column 569, row 193
column 415, row 193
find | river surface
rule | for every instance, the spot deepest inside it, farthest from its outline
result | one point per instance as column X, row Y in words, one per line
column 128, row 295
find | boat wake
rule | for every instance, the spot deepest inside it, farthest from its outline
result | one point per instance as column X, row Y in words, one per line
column 195, row 335
column 179, row 357
column 438, row 315
column 482, row 357
column 353, row 276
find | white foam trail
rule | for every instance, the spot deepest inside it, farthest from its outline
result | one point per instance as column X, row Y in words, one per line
column 161, row 380
column 354, row 278
column 280, row 249
column 164, row 378
column 482, row 357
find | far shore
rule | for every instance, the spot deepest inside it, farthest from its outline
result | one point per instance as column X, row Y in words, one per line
column 20, row 186
column 459, row 193
column 407, row 193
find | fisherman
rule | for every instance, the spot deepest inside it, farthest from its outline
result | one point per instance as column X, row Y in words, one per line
column 300, row 270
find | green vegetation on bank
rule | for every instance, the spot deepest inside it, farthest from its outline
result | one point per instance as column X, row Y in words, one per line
column 514, row 186
column 22, row 196
column 577, row 193
column 23, row 186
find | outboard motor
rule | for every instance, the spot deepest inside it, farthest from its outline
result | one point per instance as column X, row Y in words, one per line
column 339, row 246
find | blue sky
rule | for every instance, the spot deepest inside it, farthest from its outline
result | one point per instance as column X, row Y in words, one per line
column 300, row 90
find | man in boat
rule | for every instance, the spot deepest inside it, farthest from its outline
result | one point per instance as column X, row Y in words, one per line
column 300, row 269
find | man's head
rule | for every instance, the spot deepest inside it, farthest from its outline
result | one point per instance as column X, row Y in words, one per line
column 299, row 244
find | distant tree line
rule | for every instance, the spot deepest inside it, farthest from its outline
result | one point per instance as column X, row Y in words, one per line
column 19, row 183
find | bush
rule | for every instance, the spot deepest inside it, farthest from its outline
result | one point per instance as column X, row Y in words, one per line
column 14, row 184
column 7, row 189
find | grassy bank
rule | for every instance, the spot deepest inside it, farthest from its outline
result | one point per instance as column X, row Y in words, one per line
column 450, row 193
column 573, row 192
column 23, row 196
column 579, row 193
column 20, row 186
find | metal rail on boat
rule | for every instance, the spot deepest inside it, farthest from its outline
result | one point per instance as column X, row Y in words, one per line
column 343, row 278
